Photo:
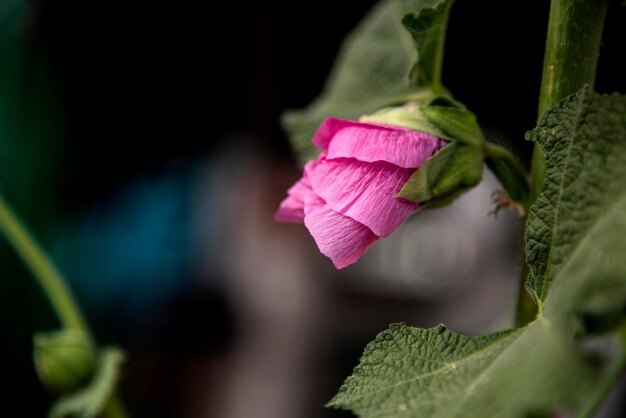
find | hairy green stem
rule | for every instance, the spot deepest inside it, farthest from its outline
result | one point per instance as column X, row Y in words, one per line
column 572, row 48
column 613, row 376
column 570, row 61
column 52, row 283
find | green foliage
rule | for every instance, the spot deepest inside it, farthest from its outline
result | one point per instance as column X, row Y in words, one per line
column 428, row 28
column 370, row 73
column 576, row 244
column 89, row 401
column 435, row 373
column 63, row 359
column 577, row 226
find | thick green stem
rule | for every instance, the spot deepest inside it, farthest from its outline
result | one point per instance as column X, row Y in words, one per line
column 572, row 48
column 52, row 283
column 570, row 60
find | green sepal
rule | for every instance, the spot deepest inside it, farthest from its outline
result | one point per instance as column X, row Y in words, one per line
column 89, row 400
column 456, row 122
column 452, row 170
column 408, row 116
column 63, row 359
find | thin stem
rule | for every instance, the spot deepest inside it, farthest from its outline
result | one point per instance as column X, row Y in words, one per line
column 526, row 308
column 515, row 181
column 570, row 61
column 42, row 268
column 507, row 168
column 428, row 29
column 438, row 59
column 611, row 380
column 53, row 285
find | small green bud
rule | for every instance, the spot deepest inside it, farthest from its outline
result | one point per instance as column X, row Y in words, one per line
column 63, row 359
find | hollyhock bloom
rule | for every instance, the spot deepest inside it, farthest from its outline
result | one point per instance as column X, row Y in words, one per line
column 347, row 197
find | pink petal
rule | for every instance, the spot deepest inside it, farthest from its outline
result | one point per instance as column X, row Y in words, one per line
column 404, row 148
column 366, row 192
column 329, row 128
column 291, row 209
column 338, row 237
column 368, row 142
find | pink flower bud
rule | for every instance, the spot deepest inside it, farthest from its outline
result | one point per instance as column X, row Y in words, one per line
column 347, row 197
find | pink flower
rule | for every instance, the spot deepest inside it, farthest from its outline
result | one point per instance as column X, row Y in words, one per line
column 347, row 197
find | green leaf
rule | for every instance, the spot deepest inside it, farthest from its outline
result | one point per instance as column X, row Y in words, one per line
column 436, row 373
column 577, row 226
column 428, row 28
column 89, row 401
column 576, row 238
column 369, row 73
column 451, row 171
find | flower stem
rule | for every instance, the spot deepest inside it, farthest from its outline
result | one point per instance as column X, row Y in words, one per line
column 42, row 268
column 507, row 168
column 52, row 283
column 570, row 61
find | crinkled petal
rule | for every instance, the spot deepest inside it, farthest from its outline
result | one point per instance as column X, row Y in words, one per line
column 340, row 238
column 366, row 192
column 330, row 126
column 402, row 147
column 369, row 142
column 291, row 209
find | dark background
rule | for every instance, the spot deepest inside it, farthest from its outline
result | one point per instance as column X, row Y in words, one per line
column 108, row 94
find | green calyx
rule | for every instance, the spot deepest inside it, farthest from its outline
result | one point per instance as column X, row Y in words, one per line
column 455, row 168
column 447, row 174
column 410, row 116
column 82, row 377
column 458, row 166
column 63, row 359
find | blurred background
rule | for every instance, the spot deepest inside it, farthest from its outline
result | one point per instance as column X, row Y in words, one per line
column 141, row 143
